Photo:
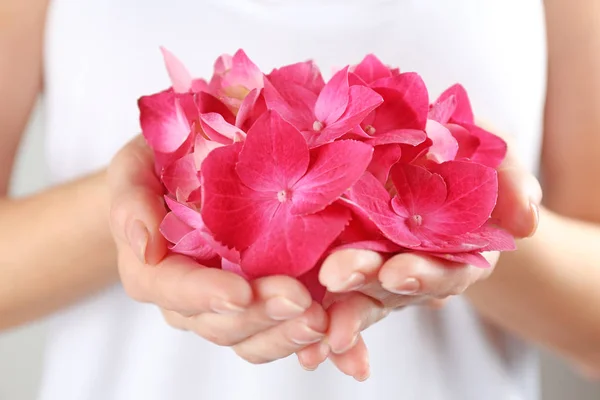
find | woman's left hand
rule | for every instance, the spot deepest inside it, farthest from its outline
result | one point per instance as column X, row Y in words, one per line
column 363, row 287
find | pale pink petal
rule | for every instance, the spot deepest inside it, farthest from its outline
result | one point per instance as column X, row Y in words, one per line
column 412, row 137
column 173, row 228
column 163, row 121
column 162, row 160
column 370, row 197
column 243, row 72
column 234, row 213
column 333, row 99
column 305, row 74
column 218, row 130
column 223, row 64
column 472, row 191
column 275, row 155
column 191, row 217
column 499, row 239
column 294, row 244
column 178, row 73
column 384, row 157
column 445, row 146
column 181, row 176
column 293, row 102
column 236, row 268
column 334, row 168
column 194, row 245
column 371, row 68
column 199, row 85
column 202, row 149
column 419, row 192
column 362, row 101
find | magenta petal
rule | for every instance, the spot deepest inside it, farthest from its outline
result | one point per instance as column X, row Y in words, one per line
column 371, row 68
column 191, row 217
column 311, row 280
column 180, row 76
column 293, row 102
column 334, row 168
column 207, row 103
column 472, row 192
column 294, row 244
column 218, row 130
column 194, row 245
column 445, row 146
column 234, row 213
column 163, row 121
column 305, row 74
column 333, row 99
column 467, row 143
column 419, row 191
column 243, row 73
column 491, row 150
column 463, row 112
column 442, row 111
column 371, row 198
column 247, row 107
column 275, row 155
column 406, row 102
column 362, row 101
column 181, row 176
column 384, row 157
column 474, row 259
column 380, row 246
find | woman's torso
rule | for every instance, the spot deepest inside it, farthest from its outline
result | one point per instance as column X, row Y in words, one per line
column 102, row 55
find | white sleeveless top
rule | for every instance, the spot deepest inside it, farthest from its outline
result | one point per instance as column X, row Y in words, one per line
column 102, row 55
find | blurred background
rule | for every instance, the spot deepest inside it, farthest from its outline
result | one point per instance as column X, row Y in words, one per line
column 21, row 350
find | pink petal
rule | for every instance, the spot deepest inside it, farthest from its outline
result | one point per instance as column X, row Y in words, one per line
column 305, row 74
column 491, row 150
column 194, row 245
column 434, row 242
column 383, row 158
column 181, row 176
column 163, row 121
column 463, row 112
column 223, row 64
column 442, row 111
column 334, row 168
column 474, row 259
column 333, row 99
column 275, row 155
column 243, row 72
column 234, row 213
column 202, row 149
column 311, row 280
column 207, row 103
column 199, row 85
column 380, row 246
column 294, row 244
column 178, row 73
column 190, row 217
column 236, row 268
column 362, row 101
column 370, row 197
column 472, row 192
column 467, row 143
column 445, row 146
column 371, row 68
column 293, row 102
column 412, row 137
column 218, row 130
column 499, row 239
column 173, row 228
column 354, row 79
column 419, row 191
column 411, row 154
column 247, row 108
column 162, row 160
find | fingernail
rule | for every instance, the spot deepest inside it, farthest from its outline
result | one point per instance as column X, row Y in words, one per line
column 535, row 212
column 306, row 367
column 410, row 287
column 281, row 309
column 138, row 237
column 535, row 191
column 354, row 282
column 344, row 349
column 307, row 335
column 324, row 348
column 363, row 376
column 224, row 307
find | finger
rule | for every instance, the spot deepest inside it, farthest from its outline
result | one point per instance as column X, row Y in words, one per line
column 179, row 284
column 519, row 193
column 277, row 299
column 313, row 355
column 349, row 269
column 285, row 339
column 415, row 275
column 137, row 207
column 348, row 318
column 354, row 362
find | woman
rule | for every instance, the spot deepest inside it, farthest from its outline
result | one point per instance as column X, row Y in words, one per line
column 59, row 252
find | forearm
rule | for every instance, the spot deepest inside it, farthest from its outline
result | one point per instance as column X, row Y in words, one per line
column 547, row 291
column 56, row 248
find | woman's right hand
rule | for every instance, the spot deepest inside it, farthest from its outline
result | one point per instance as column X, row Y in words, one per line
column 263, row 320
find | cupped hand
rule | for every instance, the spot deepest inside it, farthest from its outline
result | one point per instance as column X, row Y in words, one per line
column 263, row 320
column 364, row 286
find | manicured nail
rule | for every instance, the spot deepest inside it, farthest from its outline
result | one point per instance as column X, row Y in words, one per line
column 410, row 287
column 139, row 237
column 354, row 282
column 306, row 335
column 224, row 307
column 281, row 309
column 535, row 212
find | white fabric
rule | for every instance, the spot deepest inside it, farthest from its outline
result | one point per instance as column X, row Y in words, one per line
column 102, row 55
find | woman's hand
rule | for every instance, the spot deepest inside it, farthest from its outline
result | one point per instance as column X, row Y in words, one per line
column 364, row 287
column 262, row 321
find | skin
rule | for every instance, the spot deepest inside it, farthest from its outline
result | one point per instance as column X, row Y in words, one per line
column 554, row 273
